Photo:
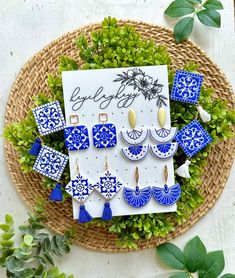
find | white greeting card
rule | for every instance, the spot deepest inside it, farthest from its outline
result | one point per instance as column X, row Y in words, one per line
column 115, row 91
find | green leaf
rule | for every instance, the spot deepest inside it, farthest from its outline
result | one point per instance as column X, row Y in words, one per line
column 28, row 239
column 171, row 255
column 228, row 275
column 213, row 4
column 183, row 29
column 5, row 227
column 7, row 236
column 9, row 220
column 179, row 8
column 209, row 18
column 180, row 275
column 194, row 254
column 213, row 265
column 195, row 1
column 49, row 258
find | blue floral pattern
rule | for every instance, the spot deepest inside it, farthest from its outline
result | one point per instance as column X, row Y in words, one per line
column 108, row 185
column 49, row 118
column 166, row 196
column 186, row 86
column 104, row 135
column 135, row 152
column 79, row 188
column 76, row 137
column 137, row 198
column 164, row 151
column 50, row 163
column 192, row 138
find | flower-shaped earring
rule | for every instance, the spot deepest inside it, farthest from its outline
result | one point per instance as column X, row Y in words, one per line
column 135, row 137
column 168, row 195
column 80, row 189
column 76, row 136
column 104, row 134
column 165, row 149
column 108, row 186
column 137, row 197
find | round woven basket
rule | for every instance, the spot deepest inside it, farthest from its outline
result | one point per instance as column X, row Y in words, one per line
column 32, row 79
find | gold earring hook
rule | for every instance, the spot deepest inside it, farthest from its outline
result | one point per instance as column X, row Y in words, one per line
column 165, row 173
column 77, row 167
column 137, row 175
column 106, row 163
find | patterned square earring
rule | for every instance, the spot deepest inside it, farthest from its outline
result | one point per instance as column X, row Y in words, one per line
column 108, row 186
column 104, row 134
column 49, row 118
column 168, row 195
column 50, row 163
column 80, row 189
column 137, row 197
column 76, row 136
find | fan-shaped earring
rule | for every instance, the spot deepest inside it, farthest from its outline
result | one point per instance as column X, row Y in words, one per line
column 108, row 186
column 162, row 134
column 80, row 189
column 134, row 137
column 168, row 195
column 137, row 197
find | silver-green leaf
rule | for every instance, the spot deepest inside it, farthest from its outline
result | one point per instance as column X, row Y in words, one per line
column 213, row 4
column 179, row 8
column 213, row 265
column 183, row 29
column 210, row 18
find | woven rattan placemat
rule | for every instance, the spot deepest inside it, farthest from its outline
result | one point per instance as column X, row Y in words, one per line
column 32, row 79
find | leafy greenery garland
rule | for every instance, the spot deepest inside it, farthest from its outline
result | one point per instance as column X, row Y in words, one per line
column 116, row 46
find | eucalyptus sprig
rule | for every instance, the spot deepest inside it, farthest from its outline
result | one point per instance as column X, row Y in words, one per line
column 206, row 12
column 34, row 256
column 194, row 258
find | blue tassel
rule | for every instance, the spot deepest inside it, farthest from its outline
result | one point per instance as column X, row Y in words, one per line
column 36, row 147
column 56, row 194
column 84, row 216
column 107, row 212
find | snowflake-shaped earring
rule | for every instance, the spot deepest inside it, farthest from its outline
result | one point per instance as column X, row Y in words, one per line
column 76, row 136
column 137, row 197
column 80, row 189
column 49, row 118
column 104, row 134
column 134, row 137
column 108, row 186
column 168, row 195
column 164, row 149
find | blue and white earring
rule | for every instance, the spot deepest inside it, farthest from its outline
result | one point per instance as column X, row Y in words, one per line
column 104, row 134
column 76, row 136
column 165, row 149
column 137, row 197
column 168, row 195
column 108, row 186
column 80, row 189
column 135, row 151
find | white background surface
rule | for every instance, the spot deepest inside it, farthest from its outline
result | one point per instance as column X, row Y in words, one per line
column 25, row 27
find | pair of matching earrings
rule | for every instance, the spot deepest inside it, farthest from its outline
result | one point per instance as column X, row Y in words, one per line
column 164, row 149
column 81, row 188
column 166, row 196
column 77, row 137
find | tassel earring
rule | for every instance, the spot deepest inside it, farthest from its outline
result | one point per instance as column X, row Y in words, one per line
column 108, row 186
column 183, row 170
column 80, row 189
column 36, row 147
column 56, row 194
column 137, row 197
column 204, row 115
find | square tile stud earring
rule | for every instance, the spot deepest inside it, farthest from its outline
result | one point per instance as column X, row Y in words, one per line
column 80, row 189
column 137, row 197
column 104, row 134
column 108, row 186
column 76, row 136
column 168, row 195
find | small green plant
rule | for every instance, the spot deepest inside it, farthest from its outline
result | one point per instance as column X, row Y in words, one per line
column 34, row 256
column 206, row 12
column 194, row 258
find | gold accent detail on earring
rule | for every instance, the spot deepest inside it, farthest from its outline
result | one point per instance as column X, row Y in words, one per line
column 162, row 117
column 106, row 163
column 165, row 174
column 74, row 119
column 137, row 176
column 132, row 118
column 103, row 118
column 77, row 167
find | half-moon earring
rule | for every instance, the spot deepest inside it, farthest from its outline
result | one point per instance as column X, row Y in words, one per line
column 137, row 197
column 108, row 186
column 134, row 137
column 168, row 195
column 80, row 189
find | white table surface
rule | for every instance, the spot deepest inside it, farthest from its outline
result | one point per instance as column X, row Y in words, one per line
column 26, row 27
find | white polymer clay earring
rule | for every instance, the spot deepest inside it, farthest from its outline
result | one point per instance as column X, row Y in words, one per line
column 135, row 137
